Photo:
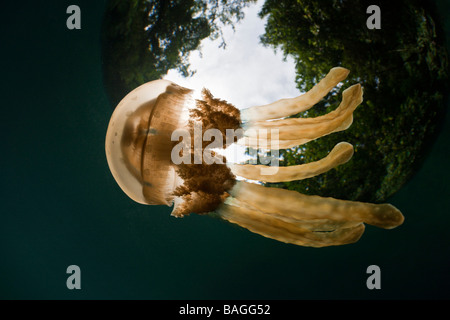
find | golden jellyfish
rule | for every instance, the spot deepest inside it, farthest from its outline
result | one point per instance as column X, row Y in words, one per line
column 161, row 148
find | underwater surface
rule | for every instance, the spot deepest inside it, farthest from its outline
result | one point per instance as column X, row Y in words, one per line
column 60, row 206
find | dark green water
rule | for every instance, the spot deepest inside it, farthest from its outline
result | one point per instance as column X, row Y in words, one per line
column 59, row 204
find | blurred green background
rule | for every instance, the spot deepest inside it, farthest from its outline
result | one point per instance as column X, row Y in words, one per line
column 60, row 205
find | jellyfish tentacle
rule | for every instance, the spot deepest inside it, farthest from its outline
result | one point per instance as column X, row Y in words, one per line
column 286, row 107
column 313, row 225
column 324, row 225
column 287, row 231
column 311, row 128
column 264, row 225
column 305, row 207
column 340, row 154
column 279, row 144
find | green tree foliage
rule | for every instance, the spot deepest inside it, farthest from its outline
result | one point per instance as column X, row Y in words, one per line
column 143, row 39
column 403, row 68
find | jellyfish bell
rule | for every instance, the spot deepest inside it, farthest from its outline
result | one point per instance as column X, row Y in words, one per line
column 137, row 145
column 140, row 148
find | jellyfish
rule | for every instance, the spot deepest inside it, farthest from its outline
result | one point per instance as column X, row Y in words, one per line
column 161, row 148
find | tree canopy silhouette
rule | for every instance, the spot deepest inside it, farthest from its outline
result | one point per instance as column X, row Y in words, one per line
column 143, row 39
column 403, row 68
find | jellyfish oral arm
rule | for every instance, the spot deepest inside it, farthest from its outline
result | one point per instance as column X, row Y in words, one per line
column 286, row 107
column 286, row 230
column 304, row 207
column 302, row 130
column 292, row 217
column 340, row 154
column 256, row 142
